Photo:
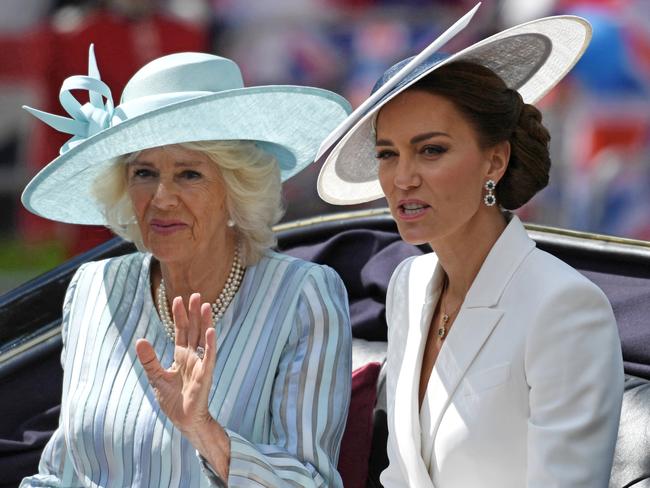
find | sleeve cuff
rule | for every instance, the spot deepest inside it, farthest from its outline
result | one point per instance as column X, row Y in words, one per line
column 215, row 478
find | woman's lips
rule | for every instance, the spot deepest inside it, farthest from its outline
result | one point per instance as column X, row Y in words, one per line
column 166, row 227
column 411, row 209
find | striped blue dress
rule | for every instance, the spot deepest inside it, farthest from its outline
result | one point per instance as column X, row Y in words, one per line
column 281, row 385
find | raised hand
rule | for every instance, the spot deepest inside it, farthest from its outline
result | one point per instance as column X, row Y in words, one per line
column 183, row 389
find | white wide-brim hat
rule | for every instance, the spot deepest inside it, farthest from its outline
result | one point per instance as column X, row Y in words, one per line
column 530, row 58
column 182, row 97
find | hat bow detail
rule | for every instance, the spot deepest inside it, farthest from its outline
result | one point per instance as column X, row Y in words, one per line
column 87, row 119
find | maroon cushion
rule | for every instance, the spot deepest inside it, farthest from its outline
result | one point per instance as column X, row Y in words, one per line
column 357, row 438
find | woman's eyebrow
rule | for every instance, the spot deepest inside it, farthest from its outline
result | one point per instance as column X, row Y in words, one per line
column 414, row 139
column 383, row 142
column 187, row 163
column 427, row 135
column 190, row 164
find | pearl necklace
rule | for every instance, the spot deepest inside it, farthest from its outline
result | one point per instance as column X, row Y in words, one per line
column 220, row 304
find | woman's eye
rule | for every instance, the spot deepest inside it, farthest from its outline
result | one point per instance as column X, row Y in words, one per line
column 433, row 150
column 190, row 174
column 143, row 173
column 385, row 154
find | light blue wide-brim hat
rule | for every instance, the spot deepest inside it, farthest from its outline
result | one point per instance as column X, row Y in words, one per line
column 530, row 58
column 182, row 97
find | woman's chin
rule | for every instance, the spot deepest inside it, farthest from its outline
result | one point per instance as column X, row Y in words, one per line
column 414, row 238
column 169, row 253
column 415, row 234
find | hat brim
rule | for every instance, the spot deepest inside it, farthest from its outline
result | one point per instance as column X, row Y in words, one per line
column 531, row 58
column 287, row 121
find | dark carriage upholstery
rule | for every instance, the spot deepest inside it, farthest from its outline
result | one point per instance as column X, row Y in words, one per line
column 365, row 258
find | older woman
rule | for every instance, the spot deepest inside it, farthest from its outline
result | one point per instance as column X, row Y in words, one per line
column 206, row 358
column 504, row 366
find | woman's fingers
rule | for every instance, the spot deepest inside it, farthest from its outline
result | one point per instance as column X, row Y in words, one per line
column 194, row 335
column 183, row 391
column 210, row 357
column 205, row 322
column 149, row 360
column 192, row 322
column 181, row 321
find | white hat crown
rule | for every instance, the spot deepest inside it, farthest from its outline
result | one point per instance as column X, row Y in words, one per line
column 183, row 72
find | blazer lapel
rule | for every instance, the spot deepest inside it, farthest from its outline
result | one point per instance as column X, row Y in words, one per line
column 477, row 318
column 457, row 354
column 424, row 282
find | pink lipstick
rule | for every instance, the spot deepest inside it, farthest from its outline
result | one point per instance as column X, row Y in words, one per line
column 411, row 209
column 166, row 227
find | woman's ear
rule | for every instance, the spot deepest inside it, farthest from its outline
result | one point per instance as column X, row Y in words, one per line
column 498, row 158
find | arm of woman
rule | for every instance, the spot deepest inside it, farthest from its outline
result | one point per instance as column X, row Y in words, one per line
column 55, row 468
column 310, row 394
column 575, row 373
column 310, row 399
column 182, row 390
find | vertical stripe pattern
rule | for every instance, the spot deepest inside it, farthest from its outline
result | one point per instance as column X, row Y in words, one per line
column 281, row 385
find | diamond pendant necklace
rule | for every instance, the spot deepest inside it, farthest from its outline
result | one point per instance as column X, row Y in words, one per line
column 219, row 306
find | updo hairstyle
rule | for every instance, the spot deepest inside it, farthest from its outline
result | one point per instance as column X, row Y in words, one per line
column 498, row 113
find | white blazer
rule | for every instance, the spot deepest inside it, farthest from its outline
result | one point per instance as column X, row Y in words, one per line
column 527, row 388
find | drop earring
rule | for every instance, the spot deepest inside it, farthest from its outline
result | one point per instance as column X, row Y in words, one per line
column 230, row 223
column 489, row 199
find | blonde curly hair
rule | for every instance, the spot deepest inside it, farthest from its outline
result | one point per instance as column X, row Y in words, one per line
column 253, row 198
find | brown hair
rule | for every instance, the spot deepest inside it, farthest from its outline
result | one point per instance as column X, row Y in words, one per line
column 498, row 114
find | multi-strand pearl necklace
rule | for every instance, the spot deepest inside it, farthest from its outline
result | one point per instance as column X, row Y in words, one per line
column 220, row 304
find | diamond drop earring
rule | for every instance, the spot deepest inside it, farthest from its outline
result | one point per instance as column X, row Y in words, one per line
column 489, row 199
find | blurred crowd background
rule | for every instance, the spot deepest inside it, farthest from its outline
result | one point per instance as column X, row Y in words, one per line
column 599, row 117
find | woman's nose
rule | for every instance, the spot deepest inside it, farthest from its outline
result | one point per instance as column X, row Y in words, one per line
column 165, row 195
column 406, row 174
